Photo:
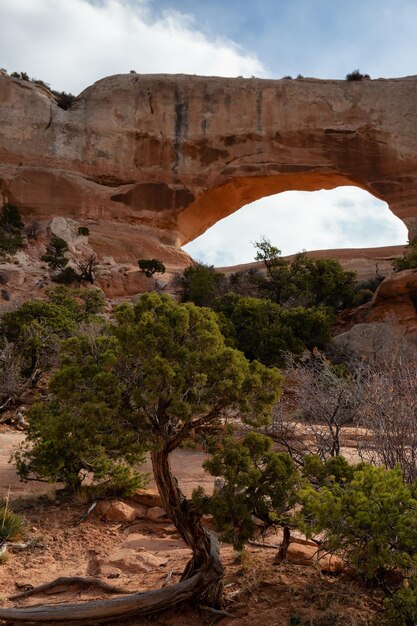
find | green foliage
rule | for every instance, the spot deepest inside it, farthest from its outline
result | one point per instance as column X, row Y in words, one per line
column 409, row 259
column 21, row 75
column 55, row 254
column 335, row 470
column 79, row 432
column 356, row 75
column 202, row 284
column 305, row 281
column 84, row 231
column 258, row 482
column 263, row 330
column 159, row 374
column 37, row 314
column 362, row 296
column 59, row 314
column 64, row 99
column 267, row 253
column 11, row 227
column 81, row 303
column 401, row 607
column 371, row 517
column 151, row 267
column 67, row 276
column 11, row 525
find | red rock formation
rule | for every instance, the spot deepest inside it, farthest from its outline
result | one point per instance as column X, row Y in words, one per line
column 150, row 162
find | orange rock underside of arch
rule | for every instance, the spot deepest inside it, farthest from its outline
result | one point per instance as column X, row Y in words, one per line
column 218, row 203
column 153, row 161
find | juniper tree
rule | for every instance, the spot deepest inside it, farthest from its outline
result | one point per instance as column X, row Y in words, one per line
column 167, row 374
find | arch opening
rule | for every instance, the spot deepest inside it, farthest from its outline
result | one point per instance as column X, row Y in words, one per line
column 341, row 218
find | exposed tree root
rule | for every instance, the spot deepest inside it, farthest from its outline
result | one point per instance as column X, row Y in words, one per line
column 105, row 611
column 70, row 581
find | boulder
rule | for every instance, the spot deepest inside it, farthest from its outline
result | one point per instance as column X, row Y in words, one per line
column 307, row 554
column 147, row 497
column 156, row 514
column 132, row 562
column 116, row 511
column 377, row 341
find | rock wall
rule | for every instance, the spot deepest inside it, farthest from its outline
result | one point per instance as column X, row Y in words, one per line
column 150, row 162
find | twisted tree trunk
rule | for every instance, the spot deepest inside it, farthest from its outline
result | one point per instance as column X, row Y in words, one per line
column 202, row 578
column 204, row 544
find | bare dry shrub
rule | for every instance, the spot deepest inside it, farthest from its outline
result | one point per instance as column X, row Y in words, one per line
column 321, row 401
column 389, row 416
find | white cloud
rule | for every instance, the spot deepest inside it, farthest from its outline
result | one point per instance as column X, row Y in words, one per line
column 71, row 44
column 346, row 217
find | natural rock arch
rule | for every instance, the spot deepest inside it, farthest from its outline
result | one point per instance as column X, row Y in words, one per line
column 150, row 162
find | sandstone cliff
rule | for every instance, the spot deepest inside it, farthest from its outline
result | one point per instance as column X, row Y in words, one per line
column 150, row 162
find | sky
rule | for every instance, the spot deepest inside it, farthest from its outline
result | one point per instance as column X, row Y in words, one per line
column 72, row 43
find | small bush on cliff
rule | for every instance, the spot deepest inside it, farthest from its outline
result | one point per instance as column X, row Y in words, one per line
column 84, row 231
column 356, row 75
column 151, row 266
column 64, row 99
column 55, row 254
column 11, row 227
column 408, row 261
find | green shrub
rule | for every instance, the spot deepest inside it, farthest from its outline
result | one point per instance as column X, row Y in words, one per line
column 54, row 255
column 67, row 276
column 370, row 518
column 64, row 99
column 59, row 314
column 151, row 267
column 362, row 296
column 356, row 75
column 11, row 525
column 401, row 607
column 265, row 331
column 84, row 231
column 202, row 284
column 258, row 482
column 304, row 281
column 21, row 75
column 408, row 260
column 11, row 227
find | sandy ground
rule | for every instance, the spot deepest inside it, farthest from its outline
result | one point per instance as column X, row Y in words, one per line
column 140, row 556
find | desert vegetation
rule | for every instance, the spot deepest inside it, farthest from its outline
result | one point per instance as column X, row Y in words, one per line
column 11, row 230
column 64, row 100
column 160, row 374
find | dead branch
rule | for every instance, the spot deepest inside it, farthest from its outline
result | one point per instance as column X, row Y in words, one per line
column 257, row 544
column 17, row 547
column 69, row 581
column 167, row 579
column 86, row 514
column 216, row 611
